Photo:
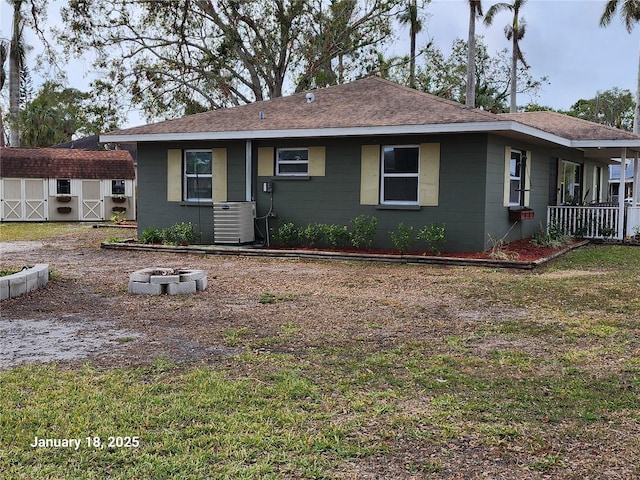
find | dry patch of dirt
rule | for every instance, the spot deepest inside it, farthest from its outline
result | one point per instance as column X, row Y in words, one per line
column 315, row 302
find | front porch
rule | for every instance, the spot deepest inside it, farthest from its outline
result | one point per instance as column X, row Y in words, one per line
column 595, row 221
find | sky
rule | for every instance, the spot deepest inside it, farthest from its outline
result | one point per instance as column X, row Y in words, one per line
column 563, row 42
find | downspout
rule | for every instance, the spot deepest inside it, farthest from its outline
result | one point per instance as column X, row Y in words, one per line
column 248, row 171
column 621, row 193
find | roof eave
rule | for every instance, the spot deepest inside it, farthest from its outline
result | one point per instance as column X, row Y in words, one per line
column 462, row 127
column 444, row 128
column 627, row 143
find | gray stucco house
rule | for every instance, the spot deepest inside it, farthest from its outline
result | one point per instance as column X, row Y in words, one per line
column 372, row 147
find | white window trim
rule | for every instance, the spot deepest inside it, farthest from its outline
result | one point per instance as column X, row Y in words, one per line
column 521, row 179
column 186, row 176
column 291, row 162
column 384, row 175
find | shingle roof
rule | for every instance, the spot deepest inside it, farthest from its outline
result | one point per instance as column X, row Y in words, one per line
column 65, row 163
column 371, row 106
column 569, row 127
column 367, row 102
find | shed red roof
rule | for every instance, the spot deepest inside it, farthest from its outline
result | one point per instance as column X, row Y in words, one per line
column 65, row 163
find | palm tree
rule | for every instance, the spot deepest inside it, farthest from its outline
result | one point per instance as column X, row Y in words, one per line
column 475, row 10
column 630, row 13
column 410, row 16
column 515, row 33
column 16, row 60
column 3, row 77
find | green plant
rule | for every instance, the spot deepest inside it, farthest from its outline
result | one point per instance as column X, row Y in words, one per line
column 434, row 236
column 151, row 235
column 312, row 235
column 606, row 232
column 336, row 236
column 364, row 229
column 118, row 217
column 182, row 233
column 402, row 237
column 553, row 236
column 286, row 235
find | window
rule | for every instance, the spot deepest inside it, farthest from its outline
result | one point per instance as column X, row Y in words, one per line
column 597, row 179
column 292, row 162
column 197, row 176
column 63, row 186
column 400, row 175
column 516, row 178
column 571, row 185
column 117, row 187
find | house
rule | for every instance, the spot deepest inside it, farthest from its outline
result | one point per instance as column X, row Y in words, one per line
column 614, row 181
column 377, row 148
column 55, row 184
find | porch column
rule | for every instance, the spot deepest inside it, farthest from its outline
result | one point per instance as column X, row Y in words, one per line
column 621, row 193
column 636, row 181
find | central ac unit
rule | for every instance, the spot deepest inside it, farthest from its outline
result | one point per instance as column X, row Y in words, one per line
column 233, row 222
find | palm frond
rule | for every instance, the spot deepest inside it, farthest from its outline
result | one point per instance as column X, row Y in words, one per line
column 494, row 10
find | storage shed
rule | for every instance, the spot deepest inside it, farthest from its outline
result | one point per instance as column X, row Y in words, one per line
column 52, row 184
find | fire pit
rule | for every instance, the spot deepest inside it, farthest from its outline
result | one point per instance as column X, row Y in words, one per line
column 171, row 281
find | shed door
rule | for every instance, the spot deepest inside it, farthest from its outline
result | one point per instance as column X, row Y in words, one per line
column 91, row 200
column 35, row 205
column 24, row 199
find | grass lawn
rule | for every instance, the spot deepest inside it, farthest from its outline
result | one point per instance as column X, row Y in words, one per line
column 539, row 395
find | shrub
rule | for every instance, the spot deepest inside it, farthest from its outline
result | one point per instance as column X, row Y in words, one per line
column 182, row 233
column 336, row 236
column 434, row 236
column 364, row 229
column 402, row 237
column 286, row 235
column 313, row 235
column 151, row 235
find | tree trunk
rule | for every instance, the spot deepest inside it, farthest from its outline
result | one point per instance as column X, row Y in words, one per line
column 14, row 77
column 514, row 67
column 471, row 60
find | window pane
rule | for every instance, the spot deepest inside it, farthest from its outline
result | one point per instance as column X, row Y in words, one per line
column 292, row 168
column 294, row 155
column 199, row 188
column 117, row 187
column 514, row 192
column 515, row 167
column 401, row 160
column 63, row 187
column 401, row 189
column 198, row 163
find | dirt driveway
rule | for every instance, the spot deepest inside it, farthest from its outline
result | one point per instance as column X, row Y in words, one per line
column 85, row 313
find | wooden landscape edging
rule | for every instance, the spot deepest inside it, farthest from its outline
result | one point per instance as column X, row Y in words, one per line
column 340, row 256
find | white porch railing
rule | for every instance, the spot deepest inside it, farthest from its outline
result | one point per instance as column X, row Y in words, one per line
column 585, row 222
column 633, row 221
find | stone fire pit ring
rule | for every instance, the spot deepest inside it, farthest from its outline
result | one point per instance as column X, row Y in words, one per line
column 170, row 281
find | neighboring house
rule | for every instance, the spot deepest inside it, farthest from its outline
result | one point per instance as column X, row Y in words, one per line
column 377, row 148
column 614, row 181
column 53, row 184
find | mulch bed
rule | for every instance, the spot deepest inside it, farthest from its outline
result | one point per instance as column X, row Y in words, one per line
column 519, row 251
